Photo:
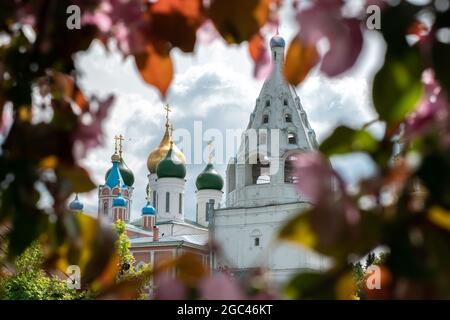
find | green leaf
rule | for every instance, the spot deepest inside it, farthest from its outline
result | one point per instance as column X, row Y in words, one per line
column 397, row 86
column 78, row 177
column 345, row 140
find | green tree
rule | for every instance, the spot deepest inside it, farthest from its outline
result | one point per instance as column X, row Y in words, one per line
column 30, row 281
column 127, row 267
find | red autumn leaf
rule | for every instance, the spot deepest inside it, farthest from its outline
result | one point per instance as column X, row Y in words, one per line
column 177, row 21
column 258, row 52
column 256, row 46
column 300, row 59
column 80, row 99
column 155, row 65
column 237, row 20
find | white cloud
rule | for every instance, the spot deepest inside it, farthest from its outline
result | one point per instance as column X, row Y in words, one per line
column 215, row 86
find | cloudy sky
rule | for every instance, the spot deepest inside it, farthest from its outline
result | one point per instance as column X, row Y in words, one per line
column 215, row 86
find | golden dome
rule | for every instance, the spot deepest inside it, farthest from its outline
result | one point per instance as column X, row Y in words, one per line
column 160, row 152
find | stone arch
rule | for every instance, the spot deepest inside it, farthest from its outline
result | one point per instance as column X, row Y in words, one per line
column 105, row 207
column 289, row 160
column 260, row 171
column 292, row 137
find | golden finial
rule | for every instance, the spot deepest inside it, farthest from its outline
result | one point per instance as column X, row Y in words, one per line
column 120, row 138
column 115, row 156
column 168, row 109
column 149, row 192
column 210, row 150
column 171, row 131
column 116, row 138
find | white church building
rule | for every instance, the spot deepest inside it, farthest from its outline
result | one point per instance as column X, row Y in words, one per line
column 260, row 194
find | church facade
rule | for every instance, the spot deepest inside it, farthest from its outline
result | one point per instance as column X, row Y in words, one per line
column 260, row 194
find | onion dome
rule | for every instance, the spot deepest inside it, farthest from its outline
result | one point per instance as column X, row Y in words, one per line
column 125, row 172
column 209, row 178
column 277, row 41
column 114, row 177
column 119, row 201
column 148, row 210
column 76, row 205
column 171, row 166
column 160, row 152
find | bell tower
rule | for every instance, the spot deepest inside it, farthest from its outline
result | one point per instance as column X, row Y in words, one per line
column 278, row 129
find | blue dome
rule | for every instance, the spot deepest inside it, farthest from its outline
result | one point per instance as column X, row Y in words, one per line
column 119, row 201
column 114, row 177
column 277, row 41
column 76, row 204
column 148, row 209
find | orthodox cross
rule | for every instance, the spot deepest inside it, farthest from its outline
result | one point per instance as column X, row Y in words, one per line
column 168, row 109
column 116, row 138
column 210, row 150
column 120, row 138
column 149, row 192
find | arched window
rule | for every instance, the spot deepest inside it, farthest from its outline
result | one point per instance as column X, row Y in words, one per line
column 154, row 199
column 265, row 118
column 167, row 201
column 285, row 102
column 288, row 118
column 180, row 203
column 267, row 103
column 289, row 169
column 260, row 171
column 292, row 139
column 105, row 208
column 256, row 236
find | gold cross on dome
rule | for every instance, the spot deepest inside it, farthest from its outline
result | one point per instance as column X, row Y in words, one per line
column 210, row 150
column 168, row 109
column 120, row 138
column 149, row 193
column 116, row 138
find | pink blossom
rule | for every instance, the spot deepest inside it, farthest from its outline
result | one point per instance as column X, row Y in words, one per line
column 169, row 288
column 324, row 20
column 432, row 108
column 90, row 135
column 314, row 176
column 220, row 287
